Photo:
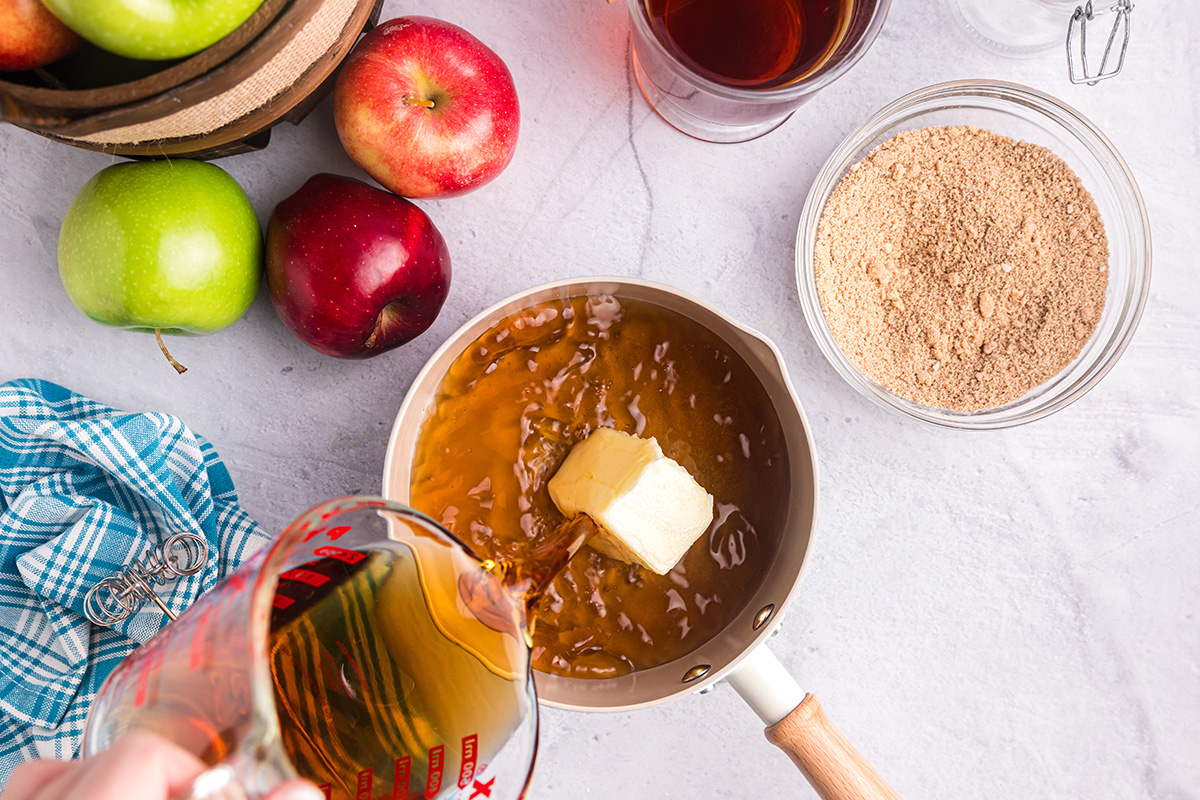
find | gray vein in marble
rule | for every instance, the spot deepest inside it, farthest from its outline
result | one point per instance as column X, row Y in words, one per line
column 635, row 96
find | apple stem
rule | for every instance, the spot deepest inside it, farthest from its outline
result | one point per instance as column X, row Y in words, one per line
column 48, row 79
column 409, row 100
column 180, row 368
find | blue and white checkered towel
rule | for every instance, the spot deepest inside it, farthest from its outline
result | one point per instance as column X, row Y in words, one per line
column 84, row 490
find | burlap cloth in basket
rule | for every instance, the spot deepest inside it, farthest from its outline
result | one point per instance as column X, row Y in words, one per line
column 321, row 33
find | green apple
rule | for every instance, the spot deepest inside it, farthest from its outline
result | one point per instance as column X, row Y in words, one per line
column 153, row 29
column 161, row 246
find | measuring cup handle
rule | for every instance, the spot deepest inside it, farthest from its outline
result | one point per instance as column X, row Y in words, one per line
column 834, row 768
column 797, row 725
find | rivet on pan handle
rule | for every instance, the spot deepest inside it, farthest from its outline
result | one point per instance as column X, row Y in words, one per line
column 120, row 596
column 763, row 615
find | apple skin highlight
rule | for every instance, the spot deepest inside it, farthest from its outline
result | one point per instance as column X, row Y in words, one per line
column 353, row 270
column 32, row 36
column 170, row 245
column 153, row 30
column 465, row 140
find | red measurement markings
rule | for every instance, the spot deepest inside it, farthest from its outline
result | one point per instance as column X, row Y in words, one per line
column 470, row 752
column 211, row 627
column 332, row 534
column 329, row 669
column 308, row 678
column 234, row 583
column 151, row 665
column 143, row 682
column 305, row 576
column 282, row 602
column 400, row 785
column 364, row 784
column 347, row 556
column 433, row 784
column 199, row 639
column 327, row 788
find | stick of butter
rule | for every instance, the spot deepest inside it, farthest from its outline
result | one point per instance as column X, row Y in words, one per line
column 650, row 510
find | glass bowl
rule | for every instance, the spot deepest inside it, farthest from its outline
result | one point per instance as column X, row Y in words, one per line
column 1021, row 113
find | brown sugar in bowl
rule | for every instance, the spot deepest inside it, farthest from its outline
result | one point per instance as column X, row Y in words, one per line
column 223, row 100
column 1023, row 115
column 961, row 268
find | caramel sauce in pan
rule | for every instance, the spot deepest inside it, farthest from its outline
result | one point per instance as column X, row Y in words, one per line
column 515, row 401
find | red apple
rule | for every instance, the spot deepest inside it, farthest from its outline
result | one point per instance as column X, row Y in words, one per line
column 353, row 270
column 426, row 108
column 30, row 36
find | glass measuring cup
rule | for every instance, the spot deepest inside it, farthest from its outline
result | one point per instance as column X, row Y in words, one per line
column 365, row 649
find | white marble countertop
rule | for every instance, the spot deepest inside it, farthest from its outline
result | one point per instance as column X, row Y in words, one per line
column 1001, row 615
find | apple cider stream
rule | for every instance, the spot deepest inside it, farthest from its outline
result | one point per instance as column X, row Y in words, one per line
column 514, row 403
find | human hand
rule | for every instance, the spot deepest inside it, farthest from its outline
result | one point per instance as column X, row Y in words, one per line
column 140, row 766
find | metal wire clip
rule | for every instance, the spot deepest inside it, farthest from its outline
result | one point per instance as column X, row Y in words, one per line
column 120, row 596
column 1082, row 16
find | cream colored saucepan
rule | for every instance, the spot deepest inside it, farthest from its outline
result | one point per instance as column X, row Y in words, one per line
column 795, row 721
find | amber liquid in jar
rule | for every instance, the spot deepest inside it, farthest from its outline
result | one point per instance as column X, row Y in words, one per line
column 509, row 410
column 750, row 43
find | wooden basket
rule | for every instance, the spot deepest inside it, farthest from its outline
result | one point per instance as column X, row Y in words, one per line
column 276, row 66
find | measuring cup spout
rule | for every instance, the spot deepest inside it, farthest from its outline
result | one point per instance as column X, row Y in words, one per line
column 797, row 724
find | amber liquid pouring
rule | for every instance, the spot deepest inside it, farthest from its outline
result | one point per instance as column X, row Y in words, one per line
column 511, row 407
column 750, row 43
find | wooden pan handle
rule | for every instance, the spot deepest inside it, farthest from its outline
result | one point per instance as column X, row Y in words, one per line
column 834, row 768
